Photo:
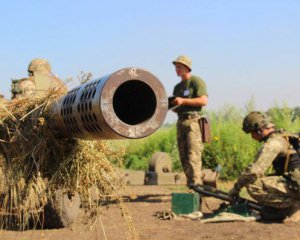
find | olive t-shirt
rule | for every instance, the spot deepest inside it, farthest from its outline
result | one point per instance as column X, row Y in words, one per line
column 190, row 88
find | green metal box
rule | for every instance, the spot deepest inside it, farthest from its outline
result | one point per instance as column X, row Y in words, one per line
column 185, row 203
column 240, row 209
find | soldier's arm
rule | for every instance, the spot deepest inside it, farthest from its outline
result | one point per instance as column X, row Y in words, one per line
column 267, row 154
column 194, row 102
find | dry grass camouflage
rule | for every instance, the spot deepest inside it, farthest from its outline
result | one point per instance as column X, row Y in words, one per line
column 34, row 164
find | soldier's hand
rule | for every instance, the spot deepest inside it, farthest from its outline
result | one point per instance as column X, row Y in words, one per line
column 234, row 193
column 178, row 101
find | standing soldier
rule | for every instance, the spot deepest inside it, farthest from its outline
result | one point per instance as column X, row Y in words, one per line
column 40, row 81
column 190, row 96
column 279, row 192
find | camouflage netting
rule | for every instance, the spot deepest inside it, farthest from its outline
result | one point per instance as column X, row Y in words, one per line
column 34, row 164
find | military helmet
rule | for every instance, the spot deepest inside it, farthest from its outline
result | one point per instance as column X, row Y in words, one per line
column 255, row 121
column 186, row 61
column 39, row 65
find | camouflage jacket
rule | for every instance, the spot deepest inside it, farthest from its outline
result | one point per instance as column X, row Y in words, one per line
column 38, row 85
column 276, row 146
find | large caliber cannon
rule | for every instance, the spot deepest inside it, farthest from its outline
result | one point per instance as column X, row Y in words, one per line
column 41, row 144
column 129, row 103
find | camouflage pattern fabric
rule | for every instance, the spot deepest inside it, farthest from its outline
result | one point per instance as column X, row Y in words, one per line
column 40, row 73
column 39, row 65
column 190, row 149
column 27, row 88
column 47, row 82
column 39, row 85
column 271, row 191
column 40, row 81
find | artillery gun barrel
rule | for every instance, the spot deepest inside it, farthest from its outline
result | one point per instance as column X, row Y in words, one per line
column 129, row 103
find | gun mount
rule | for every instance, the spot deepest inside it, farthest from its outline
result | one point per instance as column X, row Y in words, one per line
column 129, row 103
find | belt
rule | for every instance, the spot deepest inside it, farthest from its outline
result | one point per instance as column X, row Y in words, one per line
column 188, row 116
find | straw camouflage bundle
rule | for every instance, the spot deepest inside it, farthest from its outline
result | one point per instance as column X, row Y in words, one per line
column 34, row 164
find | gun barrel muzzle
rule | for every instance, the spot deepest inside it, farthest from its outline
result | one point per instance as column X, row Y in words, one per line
column 129, row 103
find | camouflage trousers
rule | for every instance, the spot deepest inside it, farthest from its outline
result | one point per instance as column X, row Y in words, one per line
column 273, row 191
column 190, row 149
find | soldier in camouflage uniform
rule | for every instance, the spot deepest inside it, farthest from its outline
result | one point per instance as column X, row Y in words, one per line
column 40, row 81
column 278, row 192
column 27, row 88
column 190, row 96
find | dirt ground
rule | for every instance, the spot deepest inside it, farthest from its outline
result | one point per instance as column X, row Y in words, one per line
column 150, row 200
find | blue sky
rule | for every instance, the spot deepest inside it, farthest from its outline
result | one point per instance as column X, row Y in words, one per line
column 242, row 49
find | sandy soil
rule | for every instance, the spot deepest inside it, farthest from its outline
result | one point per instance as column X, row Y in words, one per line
column 152, row 199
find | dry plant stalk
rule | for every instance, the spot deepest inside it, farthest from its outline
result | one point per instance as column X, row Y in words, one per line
column 34, row 163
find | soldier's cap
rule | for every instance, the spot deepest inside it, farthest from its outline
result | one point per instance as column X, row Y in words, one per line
column 255, row 121
column 185, row 60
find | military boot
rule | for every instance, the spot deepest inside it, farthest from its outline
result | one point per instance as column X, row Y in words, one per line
column 294, row 214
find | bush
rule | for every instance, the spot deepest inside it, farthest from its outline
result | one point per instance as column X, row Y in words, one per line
column 285, row 117
column 231, row 148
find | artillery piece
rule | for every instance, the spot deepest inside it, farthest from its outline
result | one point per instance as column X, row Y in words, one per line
column 130, row 103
